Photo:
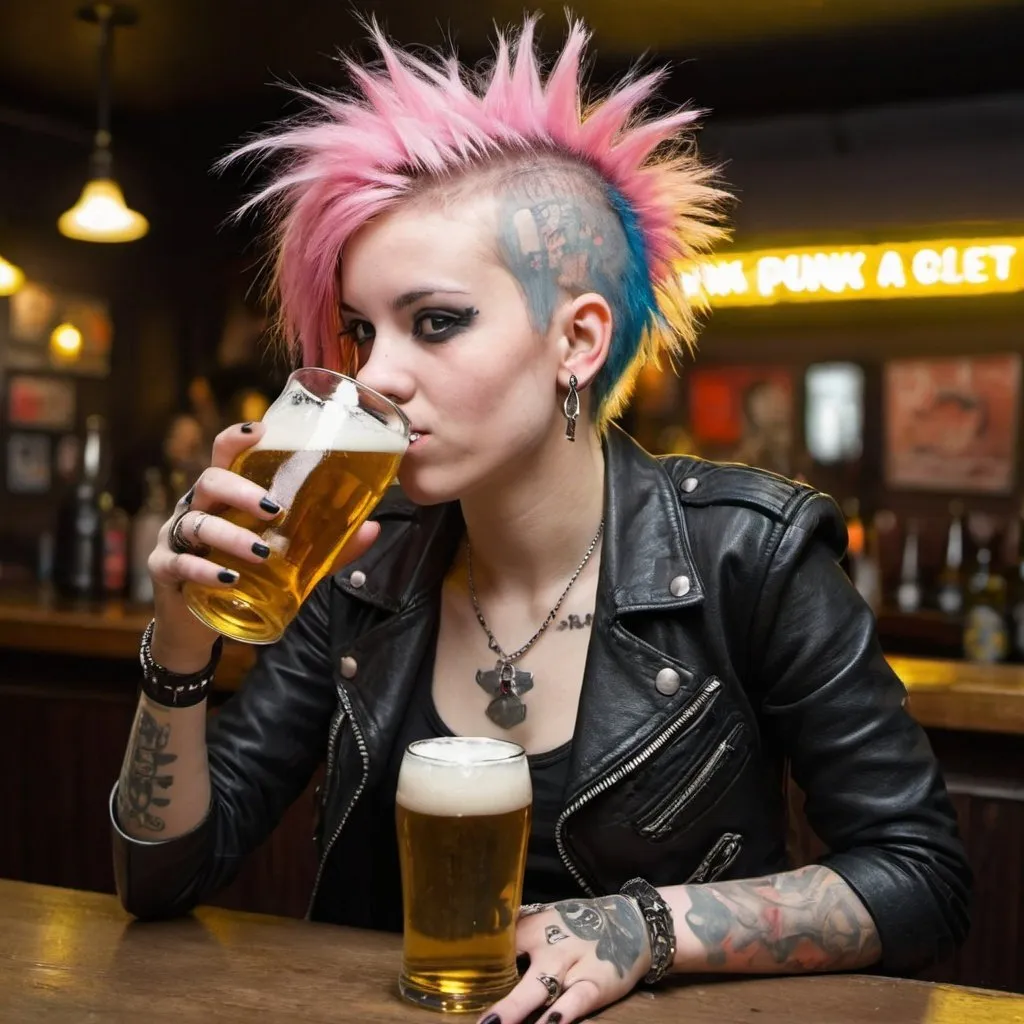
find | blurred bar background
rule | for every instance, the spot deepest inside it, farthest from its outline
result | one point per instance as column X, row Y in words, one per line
column 863, row 334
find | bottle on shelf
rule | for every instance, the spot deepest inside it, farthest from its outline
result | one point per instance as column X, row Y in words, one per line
column 116, row 525
column 908, row 594
column 986, row 634
column 950, row 591
column 1016, row 595
column 78, row 555
column 854, row 530
column 144, row 533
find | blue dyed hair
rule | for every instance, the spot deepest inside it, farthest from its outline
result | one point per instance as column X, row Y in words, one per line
column 633, row 302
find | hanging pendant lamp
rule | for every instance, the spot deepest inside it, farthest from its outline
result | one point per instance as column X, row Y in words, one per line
column 101, row 214
column 11, row 277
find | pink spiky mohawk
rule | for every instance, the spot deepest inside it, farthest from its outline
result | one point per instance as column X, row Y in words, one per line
column 414, row 122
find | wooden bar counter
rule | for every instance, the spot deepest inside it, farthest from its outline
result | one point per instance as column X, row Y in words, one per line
column 68, row 683
column 68, row 956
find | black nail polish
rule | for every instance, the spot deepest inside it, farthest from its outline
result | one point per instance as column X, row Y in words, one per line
column 227, row 576
column 491, row 1018
column 187, row 500
column 260, row 549
column 269, row 506
column 246, row 428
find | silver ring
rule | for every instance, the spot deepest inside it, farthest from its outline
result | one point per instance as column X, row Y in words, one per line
column 200, row 519
column 529, row 909
column 554, row 987
column 177, row 543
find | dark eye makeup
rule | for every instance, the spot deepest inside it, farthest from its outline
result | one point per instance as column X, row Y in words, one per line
column 433, row 325
column 439, row 324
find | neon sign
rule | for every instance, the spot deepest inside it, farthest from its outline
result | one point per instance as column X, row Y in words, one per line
column 895, row 270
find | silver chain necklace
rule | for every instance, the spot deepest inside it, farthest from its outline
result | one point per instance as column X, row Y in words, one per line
column 505, row 683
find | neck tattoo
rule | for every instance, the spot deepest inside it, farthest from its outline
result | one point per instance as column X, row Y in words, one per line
column 505, row 683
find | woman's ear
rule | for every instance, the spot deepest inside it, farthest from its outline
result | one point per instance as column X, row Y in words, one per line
column 586, row 325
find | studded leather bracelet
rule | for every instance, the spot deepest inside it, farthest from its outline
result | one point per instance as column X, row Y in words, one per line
column 174, row 689
column 661, row 931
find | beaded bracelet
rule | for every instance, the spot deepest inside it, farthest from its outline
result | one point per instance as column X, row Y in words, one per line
column 174, row 689
column 660, row 927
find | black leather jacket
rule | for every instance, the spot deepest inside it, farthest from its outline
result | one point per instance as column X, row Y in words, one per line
column 728, row 648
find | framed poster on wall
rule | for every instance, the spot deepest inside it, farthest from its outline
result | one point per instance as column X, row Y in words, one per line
column 951, row 424
column 744, row 414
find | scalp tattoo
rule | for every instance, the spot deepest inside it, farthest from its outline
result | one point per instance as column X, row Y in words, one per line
column 556, row 242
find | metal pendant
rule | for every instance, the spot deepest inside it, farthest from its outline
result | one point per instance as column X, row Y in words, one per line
column 505, row 684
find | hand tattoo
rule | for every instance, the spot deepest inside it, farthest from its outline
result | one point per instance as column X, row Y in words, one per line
column 613, row 922
column 806, row 920
column 554, row 934
column 140, row 774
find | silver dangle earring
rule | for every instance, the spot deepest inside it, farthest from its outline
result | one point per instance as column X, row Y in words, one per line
column 571, row 408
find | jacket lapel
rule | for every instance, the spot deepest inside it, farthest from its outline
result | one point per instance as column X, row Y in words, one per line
column 647, row 570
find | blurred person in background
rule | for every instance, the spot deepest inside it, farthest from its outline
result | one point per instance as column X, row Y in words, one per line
column 502, row 266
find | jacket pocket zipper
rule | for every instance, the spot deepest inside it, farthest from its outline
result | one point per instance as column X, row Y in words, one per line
column 681, row 796
column 708, row 693
column 718, row 859
column 345, row 713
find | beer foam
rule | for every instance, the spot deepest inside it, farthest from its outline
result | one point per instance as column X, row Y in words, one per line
column 294, row 425
column 462, row 776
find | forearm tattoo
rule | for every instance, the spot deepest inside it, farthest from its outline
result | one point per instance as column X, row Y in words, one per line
column 141, row 775
column 614, row 923
column 802, row 920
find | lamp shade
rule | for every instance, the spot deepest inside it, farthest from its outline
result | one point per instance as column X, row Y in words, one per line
column 101, row 215
column 11, row 277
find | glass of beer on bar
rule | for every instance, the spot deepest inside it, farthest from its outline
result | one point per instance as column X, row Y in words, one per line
column 330, row 450
column 463, row 816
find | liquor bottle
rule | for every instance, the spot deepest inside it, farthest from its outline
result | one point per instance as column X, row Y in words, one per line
column 854, row 537
column 908, row 595
column 78, row 565
column 145, row 531
column 1016, row 596
column 854, row 529
column 115, row 546
column 867, row 571
column 950, row 591
column 986, row 634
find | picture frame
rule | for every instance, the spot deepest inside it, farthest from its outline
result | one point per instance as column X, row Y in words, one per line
column 951, row 424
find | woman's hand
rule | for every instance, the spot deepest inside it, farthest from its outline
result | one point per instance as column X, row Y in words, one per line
column 180, row 641
column 584, row 954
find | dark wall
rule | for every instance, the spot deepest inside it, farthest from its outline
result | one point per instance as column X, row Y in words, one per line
column 168, row 292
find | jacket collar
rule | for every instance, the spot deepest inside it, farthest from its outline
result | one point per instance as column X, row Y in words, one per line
column 646, row 563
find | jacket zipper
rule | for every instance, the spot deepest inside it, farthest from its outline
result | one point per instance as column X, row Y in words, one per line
column 717, row 859
column 365, row 755
column 677, row 803
column 706, row 695
column 324, row 791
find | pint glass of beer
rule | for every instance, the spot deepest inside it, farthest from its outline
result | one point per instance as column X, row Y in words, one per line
column 331, row 448
column 463, row 815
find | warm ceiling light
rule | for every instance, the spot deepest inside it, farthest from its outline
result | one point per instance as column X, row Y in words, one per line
column 11, row 277
column 101, row 215
column 66, row 343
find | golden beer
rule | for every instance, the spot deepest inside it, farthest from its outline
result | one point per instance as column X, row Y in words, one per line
column 327, row 464
column 463, row 818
